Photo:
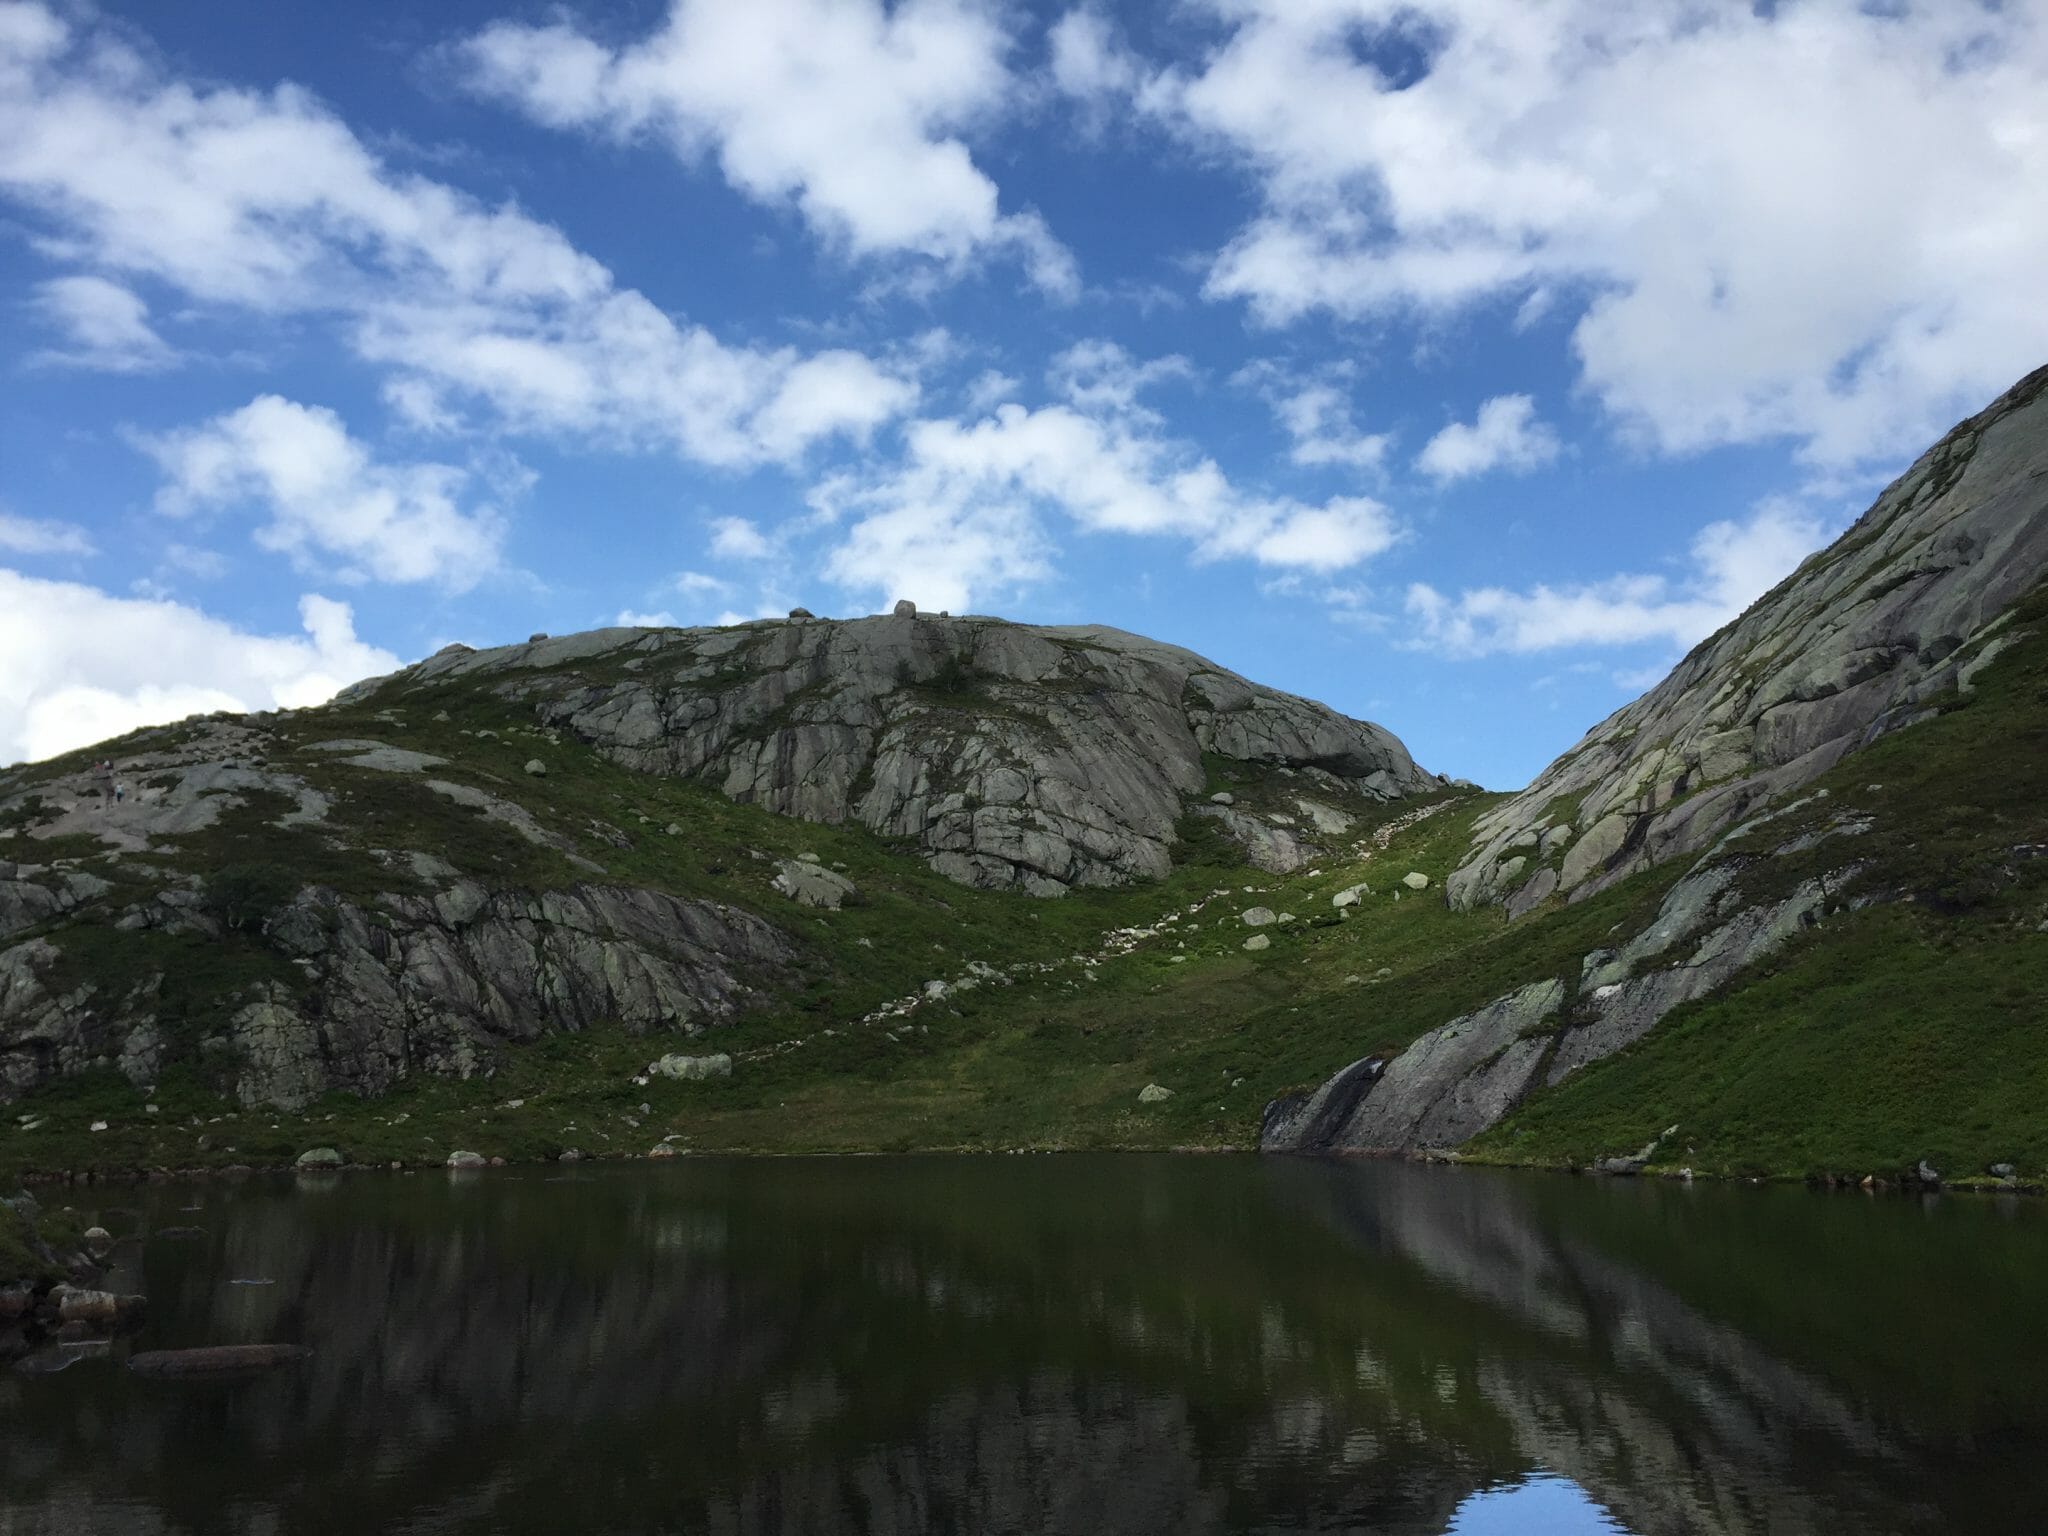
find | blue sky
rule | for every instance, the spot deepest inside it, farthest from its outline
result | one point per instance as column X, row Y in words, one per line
column 1457, row 362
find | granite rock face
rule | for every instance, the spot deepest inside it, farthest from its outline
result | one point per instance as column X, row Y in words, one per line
column 1013, row 755
column 422, row 983
column 1466, row 1076
column 1859, row 641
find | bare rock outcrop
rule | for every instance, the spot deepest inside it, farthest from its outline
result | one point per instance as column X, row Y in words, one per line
column 1013, row 755
column 1860, row 640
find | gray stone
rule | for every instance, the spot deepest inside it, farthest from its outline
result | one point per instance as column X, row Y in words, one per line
column 1223, row 797
column 320, row 1157
column 812, row 885
column 1258, row 941
column 2003, row 1171
column 691, row 1069
column 1350, row 896
column 1258, row 917
column 536, row 767
column 1152, row 1093
column 467, row 1160
column 1415, row 880
column 904, row 609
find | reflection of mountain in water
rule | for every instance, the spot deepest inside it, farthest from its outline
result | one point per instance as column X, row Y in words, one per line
column 957, row 1345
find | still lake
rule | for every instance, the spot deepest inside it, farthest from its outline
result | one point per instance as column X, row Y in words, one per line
column 1058, row 1344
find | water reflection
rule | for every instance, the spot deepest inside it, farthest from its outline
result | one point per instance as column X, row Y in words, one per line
column 1067, row 1345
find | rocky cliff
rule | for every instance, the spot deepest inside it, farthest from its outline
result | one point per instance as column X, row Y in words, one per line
column 1903, row 608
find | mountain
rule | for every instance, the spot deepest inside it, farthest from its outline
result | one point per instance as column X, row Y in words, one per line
column 495, row 844
column 1748, row 775
column 1865, row 638
column 927, row 881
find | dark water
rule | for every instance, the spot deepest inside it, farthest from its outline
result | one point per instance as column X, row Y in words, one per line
column 1135, row 1344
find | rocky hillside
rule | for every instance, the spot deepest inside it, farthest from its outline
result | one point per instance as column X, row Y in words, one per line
column 606, row 830
column 1861, row 640
column 1012, row 755
column 1745, row 793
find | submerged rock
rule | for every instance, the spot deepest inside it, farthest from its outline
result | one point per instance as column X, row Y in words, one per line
column 217, row 1360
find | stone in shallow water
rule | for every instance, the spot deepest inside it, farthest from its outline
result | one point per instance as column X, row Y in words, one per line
column 217, row 1360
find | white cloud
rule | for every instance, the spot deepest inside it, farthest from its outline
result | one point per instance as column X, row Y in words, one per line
column 106, row 325
column 1732, row 565
column 1506, row 435
column 327, row 497
column 1796, row 220
column 78, row 666
column 964, row 511
column 266, row 202
column 735, row 538
column 1316, row 415
column 990, row 389
column 661, row 620
column 850, row 111
column 41, row 536
column 698, row 584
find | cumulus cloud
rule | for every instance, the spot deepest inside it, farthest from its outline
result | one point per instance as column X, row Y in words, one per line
column 106, row 327
column 1795, row 220
column 1506, row 435
column 78, row 665
column 1316, row 415
column 41, row 536
column 1732, row 564
column 734, row 538
column 329, row 498
column 849, row 111
column 265, row 201
column 964, row 511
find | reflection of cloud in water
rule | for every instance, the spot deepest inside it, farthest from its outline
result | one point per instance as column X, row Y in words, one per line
column 1542, row 1506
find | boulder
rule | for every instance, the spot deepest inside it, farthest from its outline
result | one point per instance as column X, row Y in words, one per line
column 1258, row 941
column 691, row 1069
column 801, row 613
column 1223, row 797
column 98, row 1242
column 1350, row 896
column 1415, row 880
column 1258, row 917
column 319, row 1158
column 466, row 1160
column 1152, row 1093
column 536, row 767
column 810, row 884
column 904, row 609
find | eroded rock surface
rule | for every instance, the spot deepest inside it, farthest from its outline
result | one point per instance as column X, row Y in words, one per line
column 1860, row 640
column 1013, row 755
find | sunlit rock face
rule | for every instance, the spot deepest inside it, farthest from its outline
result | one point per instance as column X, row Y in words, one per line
column 1859, row 641
column 1013, row 755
